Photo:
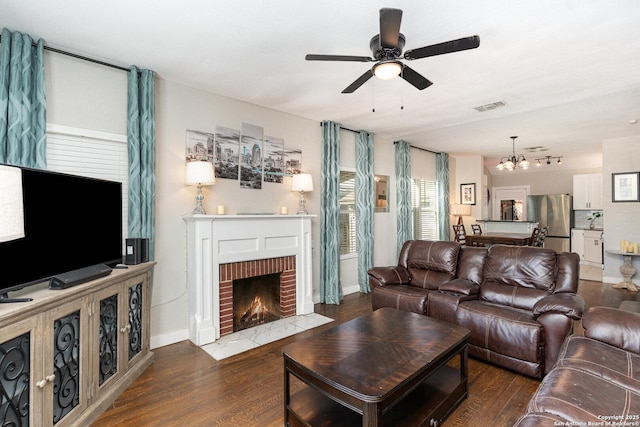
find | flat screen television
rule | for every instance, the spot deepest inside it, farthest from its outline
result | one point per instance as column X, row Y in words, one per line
column 70, row 222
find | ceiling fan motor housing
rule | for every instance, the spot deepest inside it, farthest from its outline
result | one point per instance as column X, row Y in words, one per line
column 382, row 53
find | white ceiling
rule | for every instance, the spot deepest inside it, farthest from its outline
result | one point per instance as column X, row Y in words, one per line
column 568, row 70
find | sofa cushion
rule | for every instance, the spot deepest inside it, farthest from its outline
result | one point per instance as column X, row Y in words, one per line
column 613, row 326
column 507, row 331
column 430, row 263
column 607, row 361
column 471, row 264
column 581, row 397
column 518, row 276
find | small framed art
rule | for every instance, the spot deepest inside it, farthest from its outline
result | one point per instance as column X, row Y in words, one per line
column 624, row 187
column 468, row 194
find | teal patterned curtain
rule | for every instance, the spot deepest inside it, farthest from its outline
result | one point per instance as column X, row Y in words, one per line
column 442, row 170
column 403, row 194
column 141, row 137
column 365, row 190
column 23, row 122
column 330, row 289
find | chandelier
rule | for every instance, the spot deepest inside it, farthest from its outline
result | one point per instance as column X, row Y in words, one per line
column 512, row 162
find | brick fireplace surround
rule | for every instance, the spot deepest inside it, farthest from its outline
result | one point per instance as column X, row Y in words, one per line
column 245, row 269
column 245, row 244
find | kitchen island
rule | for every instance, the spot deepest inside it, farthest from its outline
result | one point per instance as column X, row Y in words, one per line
column 500, row 226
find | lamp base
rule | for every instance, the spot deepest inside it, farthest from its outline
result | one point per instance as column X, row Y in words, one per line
column 199, row 210
column 303, row 208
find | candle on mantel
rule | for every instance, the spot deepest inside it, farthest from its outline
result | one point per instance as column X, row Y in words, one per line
column 284, row 210
column 220, row 210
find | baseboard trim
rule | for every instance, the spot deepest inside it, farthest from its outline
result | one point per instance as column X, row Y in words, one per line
column 168, row 339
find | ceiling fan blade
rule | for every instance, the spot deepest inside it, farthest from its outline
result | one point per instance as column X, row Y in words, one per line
column 359, row 82
column 416, row 79
column 312, row 57
column 465, row 43
column 390, row 20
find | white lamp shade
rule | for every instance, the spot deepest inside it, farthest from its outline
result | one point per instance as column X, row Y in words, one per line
column 11, row 206
column 462, row 210
column 200, row 173
column 302, row 182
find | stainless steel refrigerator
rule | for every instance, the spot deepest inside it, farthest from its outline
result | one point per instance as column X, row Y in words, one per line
column 553, row 211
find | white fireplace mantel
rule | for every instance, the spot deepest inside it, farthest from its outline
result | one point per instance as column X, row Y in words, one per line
column 220, row 239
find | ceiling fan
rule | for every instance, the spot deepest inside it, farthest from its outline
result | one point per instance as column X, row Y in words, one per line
column 387, row 48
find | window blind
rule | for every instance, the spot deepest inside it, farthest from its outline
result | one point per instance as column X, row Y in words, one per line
column 92, row 154
column 348, row 227
column 424, row 206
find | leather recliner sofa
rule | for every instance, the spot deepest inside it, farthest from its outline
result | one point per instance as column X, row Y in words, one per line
column 596, row 380
column 519, row 302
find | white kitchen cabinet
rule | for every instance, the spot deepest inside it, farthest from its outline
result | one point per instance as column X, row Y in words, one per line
column 577, row 242
column 588, row 245
column 593, row 246
column 587, row 191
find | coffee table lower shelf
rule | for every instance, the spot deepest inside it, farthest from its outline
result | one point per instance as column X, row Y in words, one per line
column 427, row 405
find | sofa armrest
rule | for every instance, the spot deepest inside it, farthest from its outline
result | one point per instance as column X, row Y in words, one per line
column 612, row 326
column 397, row 275
column 571, row 305
column 460, row 286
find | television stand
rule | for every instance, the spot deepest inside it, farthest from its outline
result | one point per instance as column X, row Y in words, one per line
column 94, row 336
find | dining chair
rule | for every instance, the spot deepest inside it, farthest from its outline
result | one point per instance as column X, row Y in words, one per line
column 543, row 235
column 460, row 233
column 534, row 236
column 476, row 228
column 538, row 236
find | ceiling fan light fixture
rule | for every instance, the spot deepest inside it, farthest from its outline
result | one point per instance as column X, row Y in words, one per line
column 387, row 70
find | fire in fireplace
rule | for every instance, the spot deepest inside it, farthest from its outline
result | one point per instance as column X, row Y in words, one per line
column 256, row 300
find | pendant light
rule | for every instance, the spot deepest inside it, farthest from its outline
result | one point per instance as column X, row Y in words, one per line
column 513, row 162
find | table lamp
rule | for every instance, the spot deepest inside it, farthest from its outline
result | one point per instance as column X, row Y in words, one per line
column 302, row 182
column 200, row 173
column 11, row 205
column 460, row 211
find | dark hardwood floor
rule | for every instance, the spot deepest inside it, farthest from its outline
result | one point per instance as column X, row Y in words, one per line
column 186, row 387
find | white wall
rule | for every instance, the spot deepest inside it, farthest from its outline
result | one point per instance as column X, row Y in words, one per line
column 620, row 219
column 466, row 170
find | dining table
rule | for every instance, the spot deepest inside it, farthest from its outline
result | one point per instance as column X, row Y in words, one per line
column 494, row 238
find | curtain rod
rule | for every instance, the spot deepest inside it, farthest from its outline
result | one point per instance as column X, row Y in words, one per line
column 84, row 58
column 395, row 142
column 420, row 148
column 347, row 129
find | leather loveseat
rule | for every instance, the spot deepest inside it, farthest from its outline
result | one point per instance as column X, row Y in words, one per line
column 596, row 380
column 519, row 302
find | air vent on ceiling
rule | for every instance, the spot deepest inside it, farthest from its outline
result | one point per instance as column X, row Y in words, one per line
column 491, row 106
column 536, row 149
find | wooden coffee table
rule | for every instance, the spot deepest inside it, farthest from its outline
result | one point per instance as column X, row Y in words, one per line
column 389, row 367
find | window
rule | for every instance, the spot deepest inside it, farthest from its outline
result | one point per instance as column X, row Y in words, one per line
column 348, row 226
column 425, row 209
column 92, row 154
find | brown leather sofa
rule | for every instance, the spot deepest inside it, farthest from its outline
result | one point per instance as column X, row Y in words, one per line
column 596, row 380
column 519, row 302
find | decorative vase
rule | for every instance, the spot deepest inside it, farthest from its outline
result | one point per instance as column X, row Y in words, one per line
column 591, row 225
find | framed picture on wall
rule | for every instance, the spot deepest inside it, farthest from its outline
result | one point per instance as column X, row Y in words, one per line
column 625, row 187
column 468, row 194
